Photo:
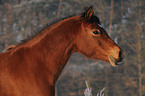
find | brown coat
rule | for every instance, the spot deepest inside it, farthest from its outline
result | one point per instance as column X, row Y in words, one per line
column 32, row 68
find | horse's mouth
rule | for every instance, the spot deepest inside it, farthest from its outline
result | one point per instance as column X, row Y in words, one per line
column 113, row 61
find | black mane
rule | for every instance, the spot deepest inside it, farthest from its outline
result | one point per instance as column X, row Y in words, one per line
column 40, row 29
column 34, row 33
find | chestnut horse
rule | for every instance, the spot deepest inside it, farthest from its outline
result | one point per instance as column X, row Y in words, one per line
column 33, row 67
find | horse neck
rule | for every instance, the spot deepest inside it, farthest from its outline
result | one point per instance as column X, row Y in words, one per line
column 56, row 45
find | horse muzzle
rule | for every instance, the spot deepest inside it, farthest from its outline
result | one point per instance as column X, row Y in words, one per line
column 115, row 62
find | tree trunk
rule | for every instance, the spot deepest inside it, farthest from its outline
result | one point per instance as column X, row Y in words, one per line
column 103, row 16
column 111, row 14
column 139, row 30
column 0, row 20
column 40, row 18
column 59, row 6
column 34, row 19
column 8, row 20
column 122, row 11
column 110, row 29
column 106, row 83
column 56, row 90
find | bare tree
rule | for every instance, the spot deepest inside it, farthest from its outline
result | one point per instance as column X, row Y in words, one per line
column 59, row 6
column 8, row 20
column 139, row 30
column 111, row 14
column 121, row 11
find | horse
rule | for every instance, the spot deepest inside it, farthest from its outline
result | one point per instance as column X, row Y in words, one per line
column 32, row 68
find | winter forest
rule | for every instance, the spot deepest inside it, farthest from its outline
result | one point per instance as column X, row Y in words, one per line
column 124, row 20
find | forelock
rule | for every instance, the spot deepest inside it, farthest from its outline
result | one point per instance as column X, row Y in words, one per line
column 95, row 19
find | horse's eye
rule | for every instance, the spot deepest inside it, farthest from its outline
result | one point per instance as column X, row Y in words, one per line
column 96, row 32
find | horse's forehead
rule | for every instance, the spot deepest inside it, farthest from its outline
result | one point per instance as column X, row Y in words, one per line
column 94, row 25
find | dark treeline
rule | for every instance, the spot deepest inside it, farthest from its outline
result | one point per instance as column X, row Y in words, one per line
column 123, row 19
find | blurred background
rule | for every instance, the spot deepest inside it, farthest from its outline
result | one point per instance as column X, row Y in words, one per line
column 124, row 20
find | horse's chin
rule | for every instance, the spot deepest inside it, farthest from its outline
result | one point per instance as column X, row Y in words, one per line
column 113, row 62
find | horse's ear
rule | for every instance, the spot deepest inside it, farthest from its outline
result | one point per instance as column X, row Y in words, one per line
column 89, row 12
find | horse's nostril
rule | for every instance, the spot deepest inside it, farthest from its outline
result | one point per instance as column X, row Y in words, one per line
column 120, row 56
